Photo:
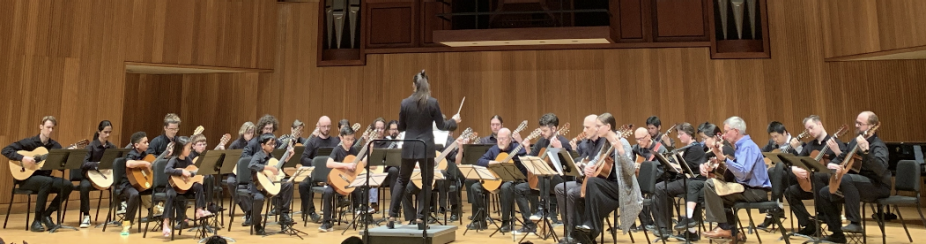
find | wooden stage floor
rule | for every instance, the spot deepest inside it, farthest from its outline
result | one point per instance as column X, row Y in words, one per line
column 15, row 233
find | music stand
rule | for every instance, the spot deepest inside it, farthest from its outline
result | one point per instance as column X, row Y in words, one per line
column 566, row 167
column 508, row 172
column 812, row 167
column 230, row 162
column 207, row 164
column 323, row 151
column 365, row 181
column 685, row 171
column 472, row 153
column 106, row 163
column 65, row 159
column 538, row 167
column 478, row 173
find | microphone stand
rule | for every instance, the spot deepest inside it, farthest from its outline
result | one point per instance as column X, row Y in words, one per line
column 426, row 190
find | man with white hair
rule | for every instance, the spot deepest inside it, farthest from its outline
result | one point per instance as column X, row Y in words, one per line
column 748, row 169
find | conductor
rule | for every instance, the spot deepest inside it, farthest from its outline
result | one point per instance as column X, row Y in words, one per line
column 416, row 117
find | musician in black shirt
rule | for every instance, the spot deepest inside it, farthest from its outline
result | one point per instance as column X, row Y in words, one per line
column 653, row 125
column 336, row 161
column 322, row 140
column 645, row 148
column 94, row 152
column 176, row 166
column 258, row 165
column 693, row 155
column 171, row 126
column 131, row 195
column 794, row 193
column 295, row 130
column 266, row 124
column 549, row 125
column 781, row 140
column 245, row 134
column 41, row 182
column 568, row 193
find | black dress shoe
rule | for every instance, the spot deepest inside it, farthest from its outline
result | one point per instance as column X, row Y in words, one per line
column 37, row 226
column 835, row 238
column 390, row 223
column 259, row 230
column 48, row 222
column 285, row 218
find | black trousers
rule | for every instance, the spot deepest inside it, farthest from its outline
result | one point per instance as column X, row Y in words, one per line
column 718, row 207
column 663, row 200
column 443, row 192
column 306, row 195
column 42, row 186
column 526, row 199
column 85, row 187
column 328, row 202
column 545, row 186
column 505, row 196
column 570, row 203
column 405, row 175
column 244, row 202
column 854, row 188
column 132, row 200
column 282, row 201
column 795, row 196
column 602, row 197
column 172, row 205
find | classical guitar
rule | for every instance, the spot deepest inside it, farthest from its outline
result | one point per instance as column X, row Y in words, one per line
column 182, row 183
column 22, row 172
column 784, row 149
column 267, row 180
column 666, row 135
column 503, row 157
column 849, row 163
column 222, row 142
column 441, row 158
column 820, row 155
column 606, row 161
column 340, row 179
column 532, row 179
column 718, row 164
column 355, row 127
column 142, row 178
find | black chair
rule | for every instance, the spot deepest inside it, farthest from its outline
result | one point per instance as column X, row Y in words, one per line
column 776, row 176
column 908, row 179
column 241, row 191
column 116, row 193
column 319, row 175
column 160, row 195
column 17, row 191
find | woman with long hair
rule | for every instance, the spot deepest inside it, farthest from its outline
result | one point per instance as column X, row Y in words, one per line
column 416, row 116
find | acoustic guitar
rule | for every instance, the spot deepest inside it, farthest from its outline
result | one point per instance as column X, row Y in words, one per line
column 849, row 163
column 666, row 135
column 142, row 178
column 784, row 149
column 503, row 157
column 267, row 180
column 340, row 179
column 532, row 180
column 606, row 164
column 441, row 158
column 182, row 183
column 718, row 164
column 820, row 155
column 355, row 127
column 20, row 171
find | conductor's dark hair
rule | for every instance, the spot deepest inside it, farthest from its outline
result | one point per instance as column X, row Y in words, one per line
column 653, row 120
column 422, row 90
column 777, row 127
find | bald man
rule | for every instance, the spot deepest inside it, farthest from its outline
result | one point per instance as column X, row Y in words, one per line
column 873, row 181
column 506, row 194
column 567, row 193
column 322, row 140
column 646, row 148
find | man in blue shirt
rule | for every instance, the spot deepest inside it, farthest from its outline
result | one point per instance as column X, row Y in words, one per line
column 749, row 169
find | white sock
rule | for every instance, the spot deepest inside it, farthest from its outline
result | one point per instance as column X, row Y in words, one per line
column 689, row 211
column 693, row 230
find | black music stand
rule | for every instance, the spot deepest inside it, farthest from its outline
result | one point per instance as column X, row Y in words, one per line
column 566, row 166
column 295, row 160
column 507, row 172
column 683, row 170
column 106, row 162
column 71, row 159
column 812, row 167
column 538, row 167
column 365, row 182
column 229, row 163
column 478, row 173
column 207, row 164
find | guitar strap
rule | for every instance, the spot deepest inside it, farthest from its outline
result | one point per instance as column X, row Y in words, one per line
column 654, row 151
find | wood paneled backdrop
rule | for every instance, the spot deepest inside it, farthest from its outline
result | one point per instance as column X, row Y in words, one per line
column 65, row 58
column 854, row 27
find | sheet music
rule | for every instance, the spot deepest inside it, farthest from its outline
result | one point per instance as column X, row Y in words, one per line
column 375, row 180
column 553, row 155
column 440, row 136
column 482, row 173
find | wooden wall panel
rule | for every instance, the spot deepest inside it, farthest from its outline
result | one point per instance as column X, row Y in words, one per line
column 224, row 33
column 681, row 19
column 206, row 102
column 854, row 27
column 148, row 98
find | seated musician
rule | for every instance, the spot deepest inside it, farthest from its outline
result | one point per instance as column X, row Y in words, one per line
column 379, row 127
column 794, row 193
column 644, row 151
column 506, row 194
column 199, row 147
column 523, row 192
column 135, row 159
column 336, row 161
column 441, row 186
column 94, row 153
column 495, row 124
column 748, row 169
column 176, row 167
column 322, row 140
column 695, row 190
column 296, row 129
column 267, row 125
column 568, row 194
column 41, row 182
column 693, row 155
column 258, row 165
column 780, row 139
column 171, row 126
column 872, row 182
column 653, row 126
column 245, row 134
column 618, row 190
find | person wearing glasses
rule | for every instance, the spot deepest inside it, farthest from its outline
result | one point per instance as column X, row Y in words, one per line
column 171, row 126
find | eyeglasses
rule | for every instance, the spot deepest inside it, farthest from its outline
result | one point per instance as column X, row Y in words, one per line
column 173, row 129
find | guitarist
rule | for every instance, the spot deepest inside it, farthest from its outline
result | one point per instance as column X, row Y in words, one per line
column 379, row 127
column 780, row 139
column 296, row 129
column 171, row 126
column 245, row 134
column 135, row 159
column 94, row 152
column 259, row 164
column 506, row 194
column 653, row 126
column 748, row 169
column 872, row 182
column 645, row 150
column 41, row 182
column 567, row 193
column 322, row 140
column 794, row 194
column 338, row 155
column 176, row 167
column 693, row 154
column 495, row 124
column 548, row 127
column 267, row 125
column 199, row 146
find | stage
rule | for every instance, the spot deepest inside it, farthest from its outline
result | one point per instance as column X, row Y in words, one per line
column 15, row 233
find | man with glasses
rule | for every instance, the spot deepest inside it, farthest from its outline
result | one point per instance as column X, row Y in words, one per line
column 322, row 140
column 506, row 194
column 159, row 144
column 646, row 150
column 258, row 164
column 748, row 167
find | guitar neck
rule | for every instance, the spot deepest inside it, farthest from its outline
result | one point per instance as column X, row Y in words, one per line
column 360, row 154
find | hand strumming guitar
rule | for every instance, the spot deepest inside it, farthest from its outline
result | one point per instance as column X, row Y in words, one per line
column 28, row 161
column 186, row 173
column 556, row 143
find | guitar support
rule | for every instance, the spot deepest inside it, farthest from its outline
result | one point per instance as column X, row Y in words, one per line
column 426, row 190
